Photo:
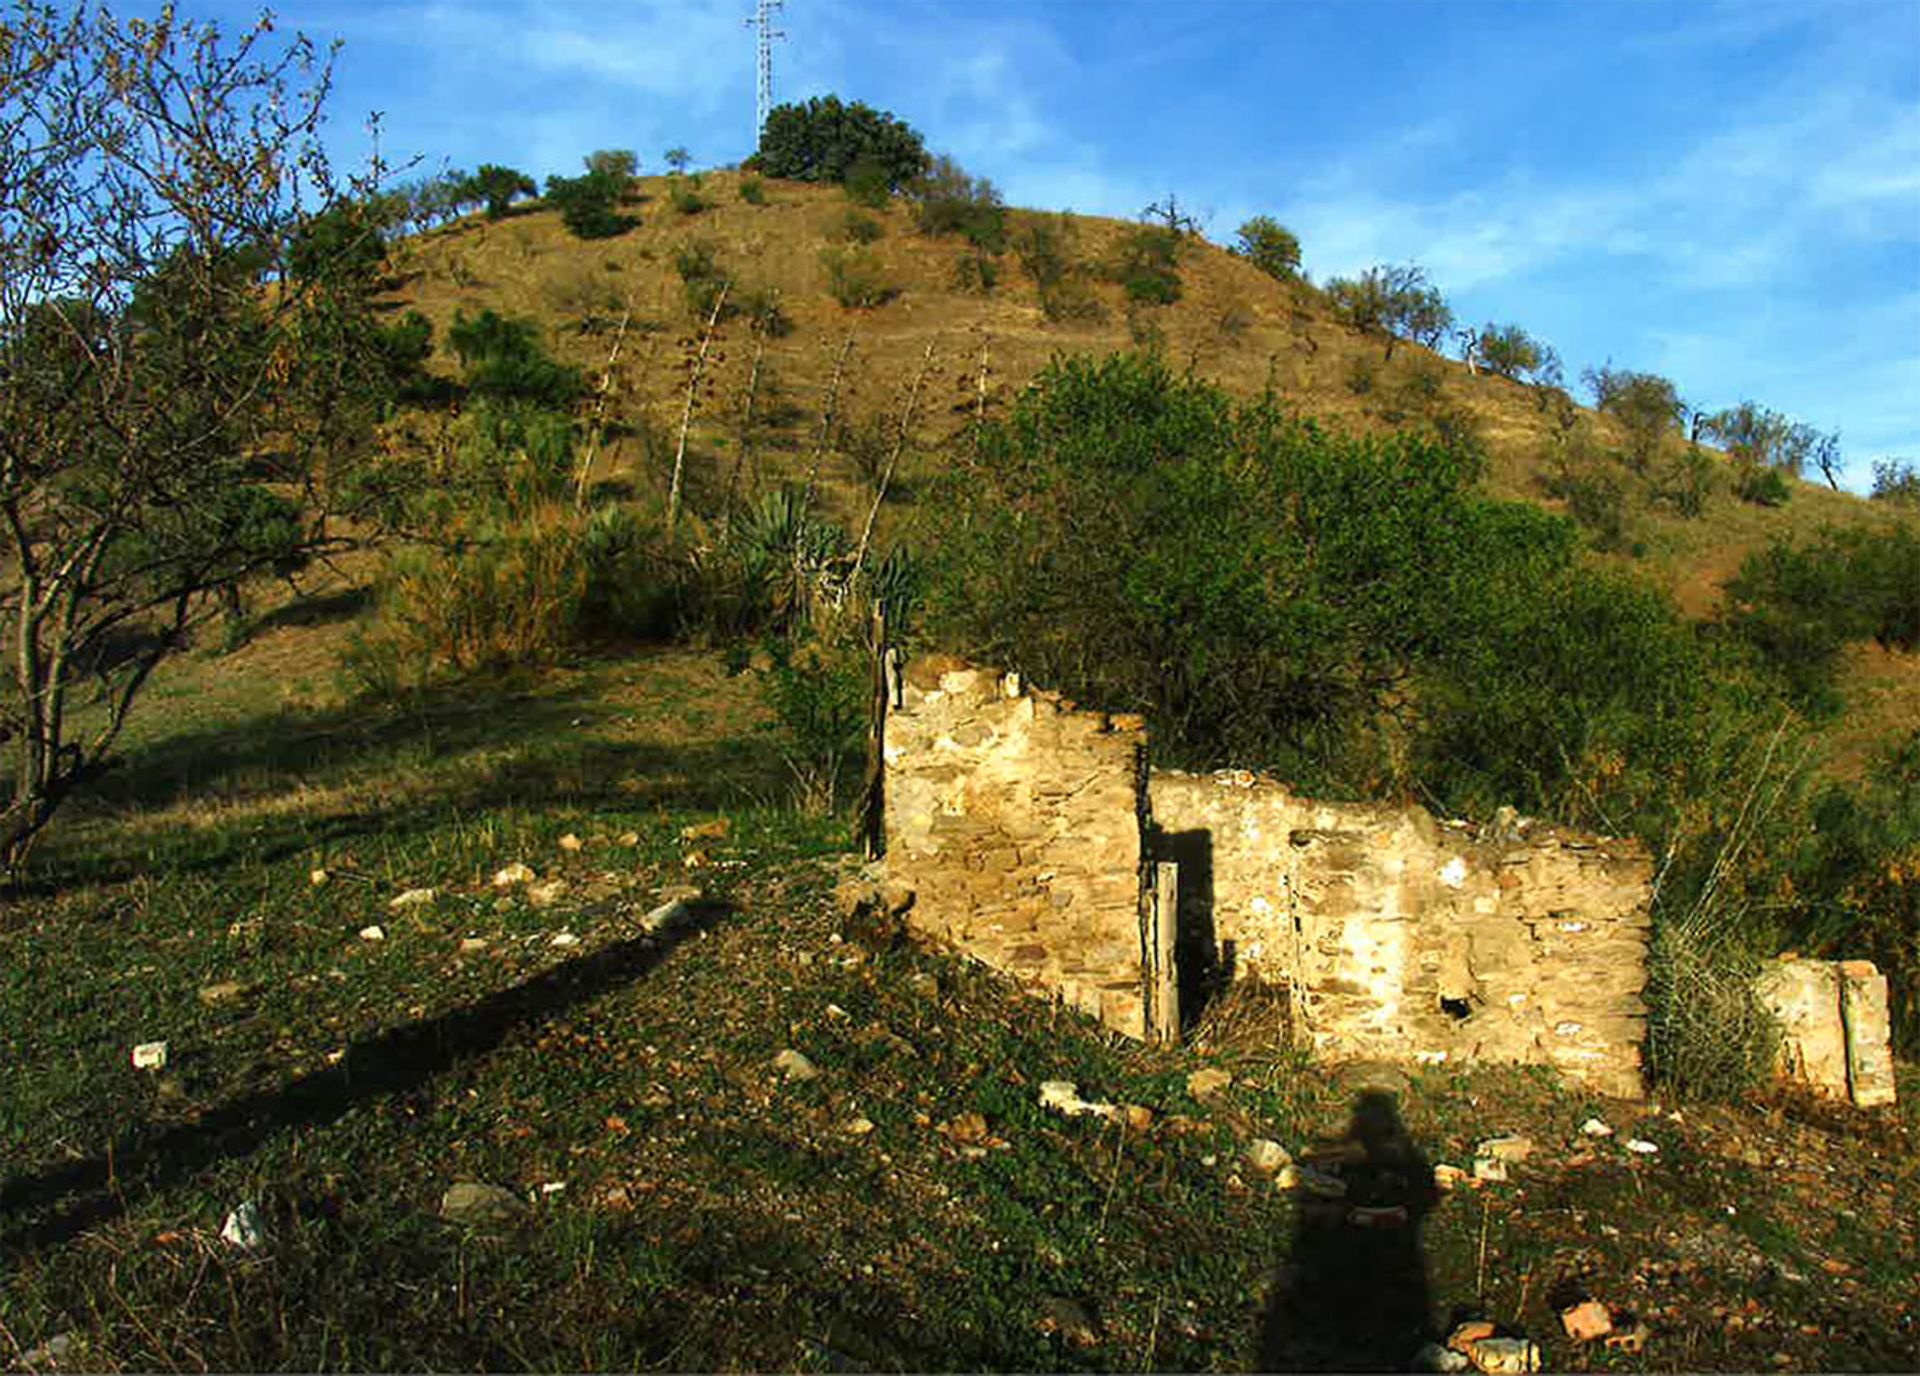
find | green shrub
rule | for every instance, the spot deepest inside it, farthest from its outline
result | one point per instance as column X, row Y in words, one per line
column 856, row 228
column 1759, row 485
column 1276, row 595
column 702, row 278
column 1708, row 1035
column 588, row 205
column 1045, row 248
column 855, row 278
column 1269, row 246
column 1687, row 484
column 1755, row 436
column 1596, row 502
column 976, row 272
column 685, row 198
column 1148, row 265
column 753, row 191
column 1509, row 351
column 502, row 358
column 762, row 307
column 1393, row 303
column 498, row 187
column 825, row 140
column 1798, row 605
column 1855, row 879
column 1646, row 407
column 1896, row 480
column 820, row 696
column 950, row 201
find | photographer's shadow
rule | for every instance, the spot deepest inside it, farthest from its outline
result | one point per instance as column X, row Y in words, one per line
column 1353, row 1294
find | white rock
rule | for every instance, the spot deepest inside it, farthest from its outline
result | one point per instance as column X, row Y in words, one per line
column 1267, row 1156
column 150, row 1056
column 1514, row 1148
column 317, row 877
column 374, row 933
column 795, row 1066
column 563, row 939
column 570, row 842
column 243, row 1228
column 1454, row 873
column 471, row 1201
column 1642, row 1147
column 508, row 876
column 547, row 894
column 1593, row 1127
column 666, row 917
column 1063, row 1096
column 473, row 945
column 1489, row 1168
column 553, row 1187
column 413, row 898
column 1208, row 1081
column 1434, row 1357
column 859, row 1127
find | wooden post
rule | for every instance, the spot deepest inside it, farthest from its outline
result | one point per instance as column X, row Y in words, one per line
column 1163, row 971
column 873, row 793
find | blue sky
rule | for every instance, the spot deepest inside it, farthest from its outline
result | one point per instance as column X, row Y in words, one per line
column 1726, row 194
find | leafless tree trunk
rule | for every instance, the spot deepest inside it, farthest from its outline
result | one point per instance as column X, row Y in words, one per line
column 686, row 414
column 893, row 458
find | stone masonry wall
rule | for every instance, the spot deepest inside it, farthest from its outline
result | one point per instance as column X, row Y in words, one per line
column 1019, row 824
column 1015, row 822
column 1404, row 938
column 1835, row 1033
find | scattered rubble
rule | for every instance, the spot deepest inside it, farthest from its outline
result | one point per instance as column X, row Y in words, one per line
column 1203, row 1084
column 243, row 1228
column 474, row 1202
column 1267, row 1157
column 1586, row 1321
column 794, row 1066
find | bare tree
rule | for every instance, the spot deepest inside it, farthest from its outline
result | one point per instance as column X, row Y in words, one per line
column 186, row 358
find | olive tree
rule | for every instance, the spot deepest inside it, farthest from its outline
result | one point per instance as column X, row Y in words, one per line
column 1269, row 246
column 186, row 367
column 1394, row 303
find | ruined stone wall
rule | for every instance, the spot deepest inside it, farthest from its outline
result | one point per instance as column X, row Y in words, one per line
column 1835, row 1033
column 1020, row 825
column 1405, row 938
column 1015, row 822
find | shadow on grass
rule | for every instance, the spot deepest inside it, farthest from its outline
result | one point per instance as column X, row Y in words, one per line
column 456, row 750
column 57, row 1204
column 1354, row 1295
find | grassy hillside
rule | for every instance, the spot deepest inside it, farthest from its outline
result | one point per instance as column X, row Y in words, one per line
column 683, row 1204
column 1232, row 324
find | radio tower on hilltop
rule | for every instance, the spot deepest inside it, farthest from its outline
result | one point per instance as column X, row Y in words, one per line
column 762, row 20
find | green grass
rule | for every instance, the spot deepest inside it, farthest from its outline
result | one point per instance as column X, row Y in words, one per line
column 714, row 1215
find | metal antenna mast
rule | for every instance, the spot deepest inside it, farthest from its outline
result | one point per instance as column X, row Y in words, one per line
column 763, row 20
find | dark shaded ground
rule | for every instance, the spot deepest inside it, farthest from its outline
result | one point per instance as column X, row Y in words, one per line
column 1354, row 1295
